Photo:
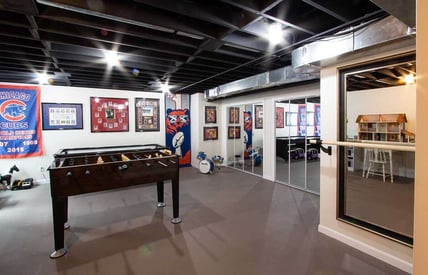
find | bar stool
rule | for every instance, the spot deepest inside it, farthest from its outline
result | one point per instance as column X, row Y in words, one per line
column 377, row 162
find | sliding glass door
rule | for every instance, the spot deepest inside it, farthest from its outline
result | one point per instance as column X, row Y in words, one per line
column 245, row 138
column 297, row 160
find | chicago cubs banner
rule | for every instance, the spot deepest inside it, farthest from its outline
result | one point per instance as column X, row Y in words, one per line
column 20, row 130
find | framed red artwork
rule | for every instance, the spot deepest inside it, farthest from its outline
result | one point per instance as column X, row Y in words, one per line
column 279, row 117
column 109, row 114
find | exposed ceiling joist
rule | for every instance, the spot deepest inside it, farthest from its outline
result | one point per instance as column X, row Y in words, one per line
column 195, row 45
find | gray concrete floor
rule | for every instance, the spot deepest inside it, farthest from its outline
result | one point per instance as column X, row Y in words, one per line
column 386, row 204
column 309, row 181
column 233, row 223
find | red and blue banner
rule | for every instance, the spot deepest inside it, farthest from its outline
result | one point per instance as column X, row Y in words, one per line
column 317, row 120
column 20, row 129
column 248, row 133
column 301, row 123
column 177, row 127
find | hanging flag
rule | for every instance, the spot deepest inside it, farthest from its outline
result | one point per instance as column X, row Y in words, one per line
column 177, row 126
column 20, row 129
column 248, row 136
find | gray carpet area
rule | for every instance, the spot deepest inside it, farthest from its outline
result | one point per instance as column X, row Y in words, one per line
column 233, row 223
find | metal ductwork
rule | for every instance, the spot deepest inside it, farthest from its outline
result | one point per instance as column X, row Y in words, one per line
column 308, row 57
column 282, row 76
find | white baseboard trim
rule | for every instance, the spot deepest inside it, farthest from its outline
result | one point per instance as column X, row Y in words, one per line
column 368, row 249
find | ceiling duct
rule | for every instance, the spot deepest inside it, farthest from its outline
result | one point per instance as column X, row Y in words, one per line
column 308, row 57
column 281, row 76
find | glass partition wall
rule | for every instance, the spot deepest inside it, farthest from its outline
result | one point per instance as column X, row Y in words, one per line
column 376, row 173
column 245, row 138
column 297, row 160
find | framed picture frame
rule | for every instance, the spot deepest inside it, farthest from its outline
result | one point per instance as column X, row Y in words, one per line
column 310, row 118
column 109, row 114
column 234, row 132
column 258, row 110
column 291, row 118
column 147, row 115
column 279, row 117
column 62, row 116
column 211, row 133
column 234, row 115
column 210, row 114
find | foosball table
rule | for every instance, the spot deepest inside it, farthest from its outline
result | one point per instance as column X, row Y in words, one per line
column 85, row 170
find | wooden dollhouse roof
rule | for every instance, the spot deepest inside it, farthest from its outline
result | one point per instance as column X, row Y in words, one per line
column 373, row 118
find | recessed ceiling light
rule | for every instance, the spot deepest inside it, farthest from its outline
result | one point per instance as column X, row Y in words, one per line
column 165, row 88
column 409, row 79
column 275, row 33
column 111, row 58
column 42, row 78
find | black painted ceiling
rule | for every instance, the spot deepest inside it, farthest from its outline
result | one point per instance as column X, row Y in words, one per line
column 193, row 45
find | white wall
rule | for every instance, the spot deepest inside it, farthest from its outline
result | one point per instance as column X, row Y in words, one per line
column 390, row 251
column 393, row 100
column 197, row 112
column 54, row 140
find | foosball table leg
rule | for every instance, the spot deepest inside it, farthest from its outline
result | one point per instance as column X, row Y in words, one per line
column 175, row 194
column 59, row 211
column 159, row 189
column 58, row 253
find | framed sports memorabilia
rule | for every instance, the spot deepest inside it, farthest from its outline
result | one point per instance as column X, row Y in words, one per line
column 279, row 117
column 109, row 114
column 234, row 132
column 210, row 133
column 62, row 116
column 259, row 116
column 234, row 115
column 210, row 114
column 146, row 114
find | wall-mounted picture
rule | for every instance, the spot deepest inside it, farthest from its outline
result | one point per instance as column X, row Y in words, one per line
column 301, row 119
column 109, row 114
column 210, row 133
column 310, row 118
column 234, row 115
column 234, row 132
column 62, row 116
column 291, row 118
column 210, row 114
column 146, row 114
column 279, row 117
column 258, row 109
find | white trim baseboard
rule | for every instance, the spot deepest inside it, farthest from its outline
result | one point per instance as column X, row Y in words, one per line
column 368, row 249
